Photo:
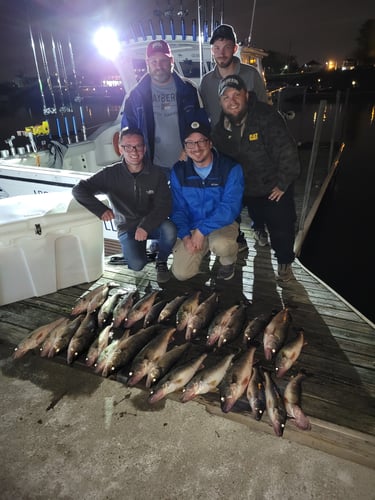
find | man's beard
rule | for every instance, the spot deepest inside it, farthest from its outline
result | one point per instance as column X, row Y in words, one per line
column 225, row 64
column 237, row 119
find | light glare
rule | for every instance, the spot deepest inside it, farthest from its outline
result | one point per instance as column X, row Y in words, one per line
column 107, row 43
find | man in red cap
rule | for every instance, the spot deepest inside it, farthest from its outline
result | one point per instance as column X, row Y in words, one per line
column 162, row 104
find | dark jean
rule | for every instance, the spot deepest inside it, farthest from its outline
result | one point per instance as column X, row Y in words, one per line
column 280, row 218
column 135, row 251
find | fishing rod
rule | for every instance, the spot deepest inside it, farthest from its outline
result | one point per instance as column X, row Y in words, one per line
column 47, row 73
column 76, row 84
column 212, row 16
column 63, row 109
column 50, row 85
column 200, row 40
column 66, row 86
column 46, row 110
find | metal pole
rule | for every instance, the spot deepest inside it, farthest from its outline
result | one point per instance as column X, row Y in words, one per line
column 312, row 162
column 252, row 22
column 334, row 128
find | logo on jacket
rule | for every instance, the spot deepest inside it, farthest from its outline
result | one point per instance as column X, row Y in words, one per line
column 150, row 191
column 253, row 137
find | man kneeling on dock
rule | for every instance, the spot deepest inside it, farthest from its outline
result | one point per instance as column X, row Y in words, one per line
column 140, row 203
column 207, row 192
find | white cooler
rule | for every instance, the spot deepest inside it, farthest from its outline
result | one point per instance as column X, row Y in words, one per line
column 47, row 242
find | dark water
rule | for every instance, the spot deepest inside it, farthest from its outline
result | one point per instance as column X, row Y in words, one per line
column 339, row 247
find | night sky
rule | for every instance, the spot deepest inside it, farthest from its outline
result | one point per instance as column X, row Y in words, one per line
column 320, row 30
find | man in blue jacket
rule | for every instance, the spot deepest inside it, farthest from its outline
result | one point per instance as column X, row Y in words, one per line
column 207, row 192
column 162, row 104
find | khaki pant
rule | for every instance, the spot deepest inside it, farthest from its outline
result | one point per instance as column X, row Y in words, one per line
column 222, row 242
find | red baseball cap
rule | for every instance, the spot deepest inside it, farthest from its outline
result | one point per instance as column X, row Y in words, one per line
column 158, row 47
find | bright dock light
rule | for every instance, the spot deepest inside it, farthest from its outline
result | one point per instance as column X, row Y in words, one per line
column 107, row 42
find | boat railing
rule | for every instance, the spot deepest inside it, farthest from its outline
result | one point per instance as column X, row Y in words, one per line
column 309, row 206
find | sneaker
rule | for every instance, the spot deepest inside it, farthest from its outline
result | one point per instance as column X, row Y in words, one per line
column 226, row 272
column 118, row 260
column 242, row 243
column 284, row 272
column 163, row 274
column 261, row 237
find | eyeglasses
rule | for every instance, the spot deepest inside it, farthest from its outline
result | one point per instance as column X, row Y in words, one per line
column 129, row 148
column 191, row 144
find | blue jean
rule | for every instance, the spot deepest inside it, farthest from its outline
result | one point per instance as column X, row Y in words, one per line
column 280, row 219
column 135, row 251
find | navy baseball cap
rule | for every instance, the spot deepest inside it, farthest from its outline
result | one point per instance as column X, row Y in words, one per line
column 197, row 127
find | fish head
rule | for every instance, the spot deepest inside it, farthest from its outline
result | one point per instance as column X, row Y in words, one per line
column 228, row 397
column 281, row 364
column 138, row 372
column 153, row 376
column 159, row 393
column 190, row 391
column 278, row 424
column 212, row 338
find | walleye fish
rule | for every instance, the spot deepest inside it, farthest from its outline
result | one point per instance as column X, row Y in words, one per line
column 234, row 326
column 165, row 363
column 60, row 337
column 275, row 405
column 83, row 337
column 255, row 393
column 207, row 379
column 255, row 327
column 84, row 301
column 46, row 346
column 149, row 355
column 123, row 307
column 236, row 380
column 276, row 333
column 171, row 308
column 218, row 324
column 103, row 363
column 176, row 378
column 186, row 310
column 124, row 350
column 292, row 400
column 153, row 314
column 106, row 309
column 202, row 316
column 99, row 344
column 289, row 354
column 36, row 338
column 140, row 309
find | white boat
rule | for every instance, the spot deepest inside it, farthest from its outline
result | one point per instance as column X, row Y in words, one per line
column 29, row 170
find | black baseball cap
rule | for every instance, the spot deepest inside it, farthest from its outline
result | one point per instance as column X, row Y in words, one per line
column 233, row 81
column 197, row 127
column 224, row 31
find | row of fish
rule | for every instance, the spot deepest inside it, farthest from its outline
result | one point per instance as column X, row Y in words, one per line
column 165, row 371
